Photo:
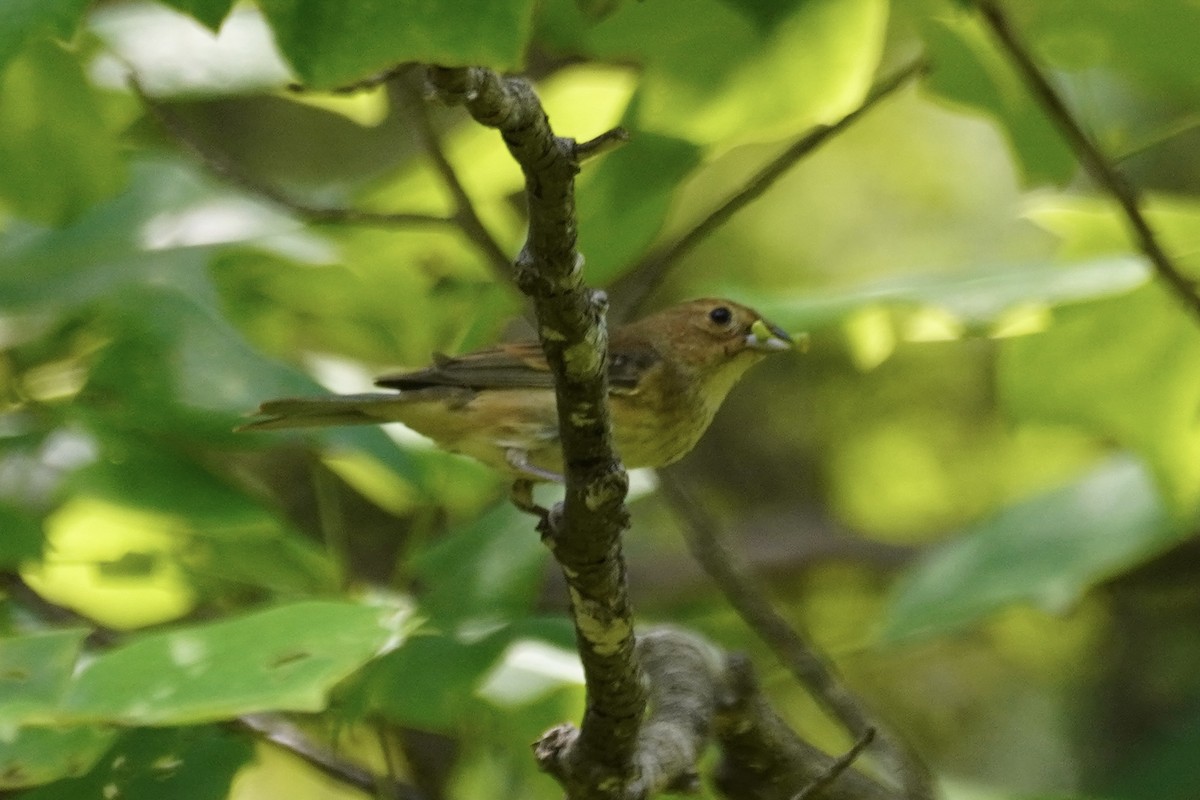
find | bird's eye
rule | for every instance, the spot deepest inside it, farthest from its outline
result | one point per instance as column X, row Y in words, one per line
column 721, row 315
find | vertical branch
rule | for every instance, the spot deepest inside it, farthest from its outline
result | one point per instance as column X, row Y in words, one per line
column 1097, row 165
column 585, row 533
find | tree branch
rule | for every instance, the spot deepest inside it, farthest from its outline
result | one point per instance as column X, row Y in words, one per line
column 1089, row 155
column 763, row 759
column 801, row 659
column 464, row 210
column 584, row 532
column 629, row 294
column 225, row 168
column 284, row 734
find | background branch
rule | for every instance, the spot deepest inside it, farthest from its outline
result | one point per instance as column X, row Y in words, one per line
column 464, row 215
column 630, row 293
column 584, row 533
column 801, row 659
column 1097, row 165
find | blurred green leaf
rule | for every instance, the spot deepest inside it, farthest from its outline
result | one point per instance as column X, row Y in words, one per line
column 976, row 299
column 1047, row 551
column 714, row 76
column 60, row 158
column 488, row 571
column 970, row 72
column 34, row 670
column 1123, row 369
column 33, row 756
column 624, row 200
column 330, row 45
column 197, row 763
column 159, row 230
column 430, row 681
column 283, row 659
column 211, row 12
column 20, row 536
column 22, row 20
column 1155, row 44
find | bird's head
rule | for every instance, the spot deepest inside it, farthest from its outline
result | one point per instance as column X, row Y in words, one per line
column 709, row 343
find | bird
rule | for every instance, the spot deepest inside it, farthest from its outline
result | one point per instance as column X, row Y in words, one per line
column 668, row 374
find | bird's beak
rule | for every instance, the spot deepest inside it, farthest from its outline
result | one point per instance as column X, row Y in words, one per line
column 767, row 337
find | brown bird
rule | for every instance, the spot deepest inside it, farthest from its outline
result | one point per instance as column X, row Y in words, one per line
column 667, row 375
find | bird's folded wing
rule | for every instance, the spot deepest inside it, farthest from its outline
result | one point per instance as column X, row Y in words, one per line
column 512, row 366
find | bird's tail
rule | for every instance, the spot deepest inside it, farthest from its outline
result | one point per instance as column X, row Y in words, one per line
column 322, row 412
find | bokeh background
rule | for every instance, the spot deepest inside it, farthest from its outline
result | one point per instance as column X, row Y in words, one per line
column 977, row 490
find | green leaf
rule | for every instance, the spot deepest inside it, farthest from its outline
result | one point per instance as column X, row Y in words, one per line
column 22, row 20
column 430, row 681
column 1155, row 45
column 284, row 659
column 970, row 72
column 1123, row 369
column 977, row 299
column 623, row 201
column 334, row 44
column 489, row 570
column 60, row 158
column 34, row 671
column 20, row 536
column 1047, row 551
column 719, row 78
column 34, row 756
column 182, row 764
column 210, row 12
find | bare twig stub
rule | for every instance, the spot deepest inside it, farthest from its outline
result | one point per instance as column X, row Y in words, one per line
column 1098, row 166
column 808, row 667
column 631, row 292
column 585, row 533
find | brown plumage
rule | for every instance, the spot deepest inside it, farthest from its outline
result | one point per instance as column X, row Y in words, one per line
column 668, row 374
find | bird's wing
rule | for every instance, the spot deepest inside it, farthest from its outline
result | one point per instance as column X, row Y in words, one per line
column 512, row 366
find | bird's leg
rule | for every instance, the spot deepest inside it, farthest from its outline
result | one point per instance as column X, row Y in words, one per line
column 518, row 459
column 521, row 493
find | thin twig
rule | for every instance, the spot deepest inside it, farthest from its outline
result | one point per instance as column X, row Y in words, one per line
column 837, row 767
column 604, row 143
column 464, row 210
column 227, row 170
column 1089, row 154
column 645, row 278
column 801, row 659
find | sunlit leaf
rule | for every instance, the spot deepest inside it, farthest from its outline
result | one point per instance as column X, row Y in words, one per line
column 1045, row 551
column 282, row 659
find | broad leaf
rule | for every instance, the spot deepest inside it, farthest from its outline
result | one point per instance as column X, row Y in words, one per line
column 1045, row 551
column 282, row 659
